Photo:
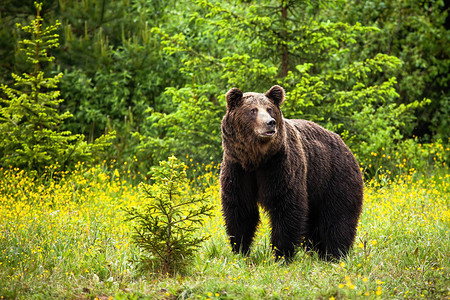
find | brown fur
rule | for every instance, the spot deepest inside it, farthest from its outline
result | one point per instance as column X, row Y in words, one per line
column 303, row 175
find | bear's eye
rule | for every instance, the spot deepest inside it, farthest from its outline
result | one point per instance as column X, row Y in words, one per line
column 254, row 110
column 269, row 110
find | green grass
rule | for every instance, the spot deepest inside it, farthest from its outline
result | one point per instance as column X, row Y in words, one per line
column 68, row 239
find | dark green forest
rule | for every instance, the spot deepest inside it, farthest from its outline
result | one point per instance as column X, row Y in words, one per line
column 131, row 82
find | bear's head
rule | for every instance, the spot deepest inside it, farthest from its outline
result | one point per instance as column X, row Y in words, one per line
column 252, row 128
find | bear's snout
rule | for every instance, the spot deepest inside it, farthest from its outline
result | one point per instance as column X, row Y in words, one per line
column 268, row 128
column 267, row 125
column 271, row 123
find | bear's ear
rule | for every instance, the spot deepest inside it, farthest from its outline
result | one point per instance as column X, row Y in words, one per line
column 234, row 98
column 276, row 94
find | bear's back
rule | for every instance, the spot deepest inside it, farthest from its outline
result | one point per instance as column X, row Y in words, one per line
column 327, row 156
column 318, row 142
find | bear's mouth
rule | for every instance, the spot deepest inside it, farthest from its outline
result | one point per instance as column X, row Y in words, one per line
column 268, row 134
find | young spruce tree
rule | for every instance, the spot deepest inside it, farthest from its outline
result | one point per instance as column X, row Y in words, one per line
column 30, row 135
column 166, row 229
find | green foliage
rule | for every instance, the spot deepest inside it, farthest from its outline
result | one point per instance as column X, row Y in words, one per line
column 192, row 126
column 326, row 80
column 156, row 72
column 30, row 123
column 115, row 72
column 166, row 230
column 418, row 34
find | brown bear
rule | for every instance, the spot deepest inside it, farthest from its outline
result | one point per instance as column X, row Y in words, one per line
column 303, row 175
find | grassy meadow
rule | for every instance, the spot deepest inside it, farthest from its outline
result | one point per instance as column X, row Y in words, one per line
column 67, row 238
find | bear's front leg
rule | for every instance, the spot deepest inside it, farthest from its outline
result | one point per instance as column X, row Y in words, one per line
column 241, row 224
column 288, row 230
column 239, row 206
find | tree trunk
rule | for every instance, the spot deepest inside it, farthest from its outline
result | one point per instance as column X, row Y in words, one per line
column 284, row 46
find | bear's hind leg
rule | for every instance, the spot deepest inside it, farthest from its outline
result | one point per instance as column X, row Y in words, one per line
column 334, row 230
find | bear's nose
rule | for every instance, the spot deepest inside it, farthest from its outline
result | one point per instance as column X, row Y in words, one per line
column 271, row 123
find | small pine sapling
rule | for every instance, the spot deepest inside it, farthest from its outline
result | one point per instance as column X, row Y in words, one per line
column 167, row 228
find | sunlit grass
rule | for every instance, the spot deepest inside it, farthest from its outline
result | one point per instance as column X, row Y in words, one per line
column 62, row 232
column 67, row 238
